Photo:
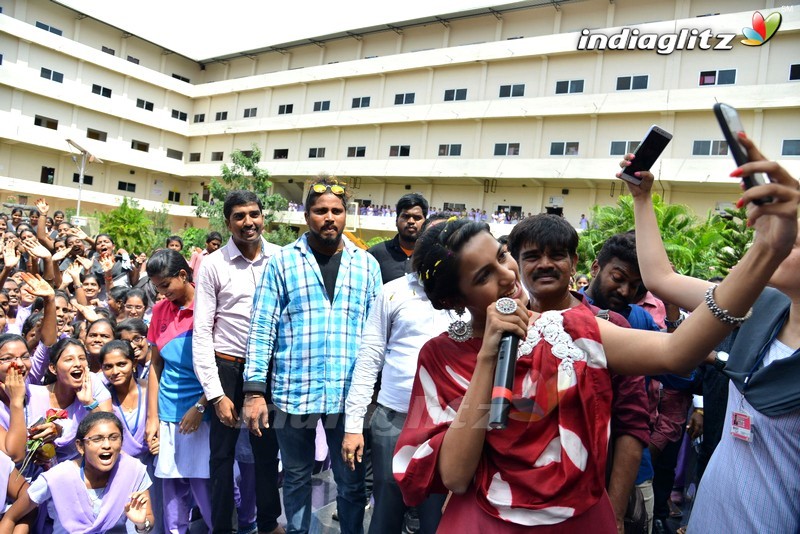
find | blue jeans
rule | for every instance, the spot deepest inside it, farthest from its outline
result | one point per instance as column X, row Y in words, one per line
column 296, row 435
column 387, row 517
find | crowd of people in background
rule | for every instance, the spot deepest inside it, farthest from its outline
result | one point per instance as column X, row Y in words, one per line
column 143, row 390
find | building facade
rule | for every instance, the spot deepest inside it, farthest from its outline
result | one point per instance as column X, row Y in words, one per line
column 523, row 107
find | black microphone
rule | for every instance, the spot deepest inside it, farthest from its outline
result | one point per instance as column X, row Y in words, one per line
column 503, row 382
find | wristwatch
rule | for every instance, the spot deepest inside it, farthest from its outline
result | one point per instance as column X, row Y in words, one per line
column 676, row 323
column 200, row 407
column 721, row 360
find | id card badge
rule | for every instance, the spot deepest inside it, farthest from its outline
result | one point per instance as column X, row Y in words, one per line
column 741, row 426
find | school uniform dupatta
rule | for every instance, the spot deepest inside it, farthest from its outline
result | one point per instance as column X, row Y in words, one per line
column 72, row 503
column 548, row 465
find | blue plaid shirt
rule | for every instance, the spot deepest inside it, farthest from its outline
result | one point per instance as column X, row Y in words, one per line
column 313, row 341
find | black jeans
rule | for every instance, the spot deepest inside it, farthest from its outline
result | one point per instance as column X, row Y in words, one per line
column 223, row 446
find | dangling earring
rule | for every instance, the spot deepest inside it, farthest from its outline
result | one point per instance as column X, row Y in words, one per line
column 459, row 330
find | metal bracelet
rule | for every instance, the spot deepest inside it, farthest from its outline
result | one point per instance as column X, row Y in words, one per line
column 721, row 314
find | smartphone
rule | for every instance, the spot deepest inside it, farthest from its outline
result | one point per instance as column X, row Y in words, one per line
column 728, row 119
column 647, row 153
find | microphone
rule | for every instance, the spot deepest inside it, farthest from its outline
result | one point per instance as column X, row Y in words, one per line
column 503, row 382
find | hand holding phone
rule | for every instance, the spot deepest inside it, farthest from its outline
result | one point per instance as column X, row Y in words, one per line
column 728, row 119
column 646, row 153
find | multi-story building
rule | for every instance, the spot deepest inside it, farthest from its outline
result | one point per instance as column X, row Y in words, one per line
column 513, row 107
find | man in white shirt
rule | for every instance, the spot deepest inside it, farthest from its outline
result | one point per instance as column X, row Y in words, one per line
column 402, row 320
column 223, row 305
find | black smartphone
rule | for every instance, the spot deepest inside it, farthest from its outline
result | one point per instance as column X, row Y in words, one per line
column 647, row 153
column 728, row 119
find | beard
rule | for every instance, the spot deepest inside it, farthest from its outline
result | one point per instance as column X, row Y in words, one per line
column 327, row 241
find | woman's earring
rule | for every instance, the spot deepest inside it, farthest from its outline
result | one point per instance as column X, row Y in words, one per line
column 459, row 330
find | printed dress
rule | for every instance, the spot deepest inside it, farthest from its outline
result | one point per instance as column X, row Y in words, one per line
column 548, row 466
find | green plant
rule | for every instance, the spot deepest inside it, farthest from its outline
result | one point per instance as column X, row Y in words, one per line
column 244, row 173
column 691, row 244
column 281, row 234
column 193, row 237
column 130, row 227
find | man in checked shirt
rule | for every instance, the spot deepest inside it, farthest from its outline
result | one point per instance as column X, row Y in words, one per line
column 308, row 314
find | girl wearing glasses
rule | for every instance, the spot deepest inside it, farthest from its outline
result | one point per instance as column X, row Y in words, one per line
column 137, row 306
column 103, row 491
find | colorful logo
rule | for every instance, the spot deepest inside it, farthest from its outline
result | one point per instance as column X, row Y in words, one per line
column 762, row 30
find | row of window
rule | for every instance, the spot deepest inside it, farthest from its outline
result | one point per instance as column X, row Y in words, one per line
column 791, row 147
column 49, row 174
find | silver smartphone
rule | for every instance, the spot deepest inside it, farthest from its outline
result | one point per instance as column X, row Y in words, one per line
column 647, row 153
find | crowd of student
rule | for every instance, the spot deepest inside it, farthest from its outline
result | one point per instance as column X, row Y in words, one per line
column 134, row 389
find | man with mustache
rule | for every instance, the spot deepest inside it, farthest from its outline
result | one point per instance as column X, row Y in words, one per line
column 394, row 256
column 546, row 249
column 309, row 311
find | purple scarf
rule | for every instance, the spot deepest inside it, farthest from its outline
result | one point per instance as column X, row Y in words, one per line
column 72, row 503
column 6, row 465
column 133, row 442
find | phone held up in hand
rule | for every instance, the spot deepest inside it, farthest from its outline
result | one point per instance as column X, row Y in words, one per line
column 647, row 153
column 728, row 119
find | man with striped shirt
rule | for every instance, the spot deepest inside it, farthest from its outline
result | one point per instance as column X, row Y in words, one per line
column 308, row 314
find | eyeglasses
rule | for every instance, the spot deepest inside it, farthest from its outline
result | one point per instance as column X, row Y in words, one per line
column 136, row 340
column 337, row 190
column 130, row 307
column 25, row 357
column 97, row 440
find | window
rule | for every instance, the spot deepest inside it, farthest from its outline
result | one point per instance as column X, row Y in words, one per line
column 144, row 104
column 562, row 148
column 620, row 148
column 48, row 175
column 280, row 153
column 108, row 50
column 356, row 151
column 506, row 149
column 569, row 86
column 45, row 122
column 628, row 83
column 710, row 148
column 404, row 98
column 316, row 152
column 512, row 90
column 217, row 156
column 450, row 150
column 180, row 115
column 129, row 187
column 194, row 157
column 100, row 90
column 794, row 71
column 181, row 78
column 174, row 154
column 140, row 145
column 285, row 109
column 133, row 59
column 361, row 102
column 221, row 116
column 87, row 179
column 200, row 117
column 455, row 94
column 173, row 196
column 97, row 135
column 249, row 113
column 1, row 59
column 322, row 105
column 791, row 147
column 52, row 75
column 247, row 153
column 402, row 151
column 718, row 77
column 48, row 28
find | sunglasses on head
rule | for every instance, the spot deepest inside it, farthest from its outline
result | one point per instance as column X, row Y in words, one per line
column 337, row 190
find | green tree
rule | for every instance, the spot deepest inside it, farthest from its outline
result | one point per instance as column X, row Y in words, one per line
column 243, row 173
column 691, row 244
column 193, row 237
column 735, row 238
column 129, row 226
